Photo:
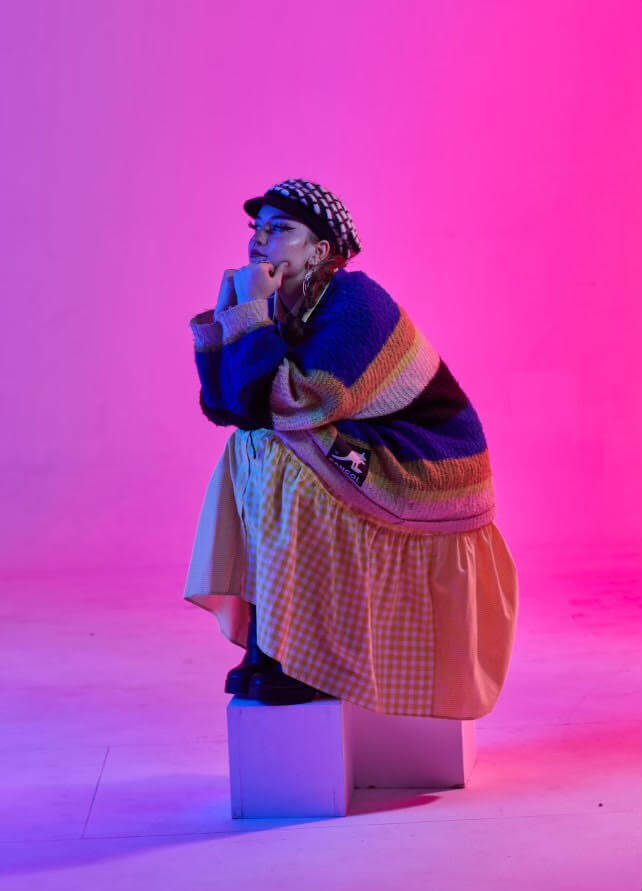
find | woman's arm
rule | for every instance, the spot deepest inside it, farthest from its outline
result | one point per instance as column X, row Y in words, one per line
column 230, row 361
column 237, row 353
column 363, row 357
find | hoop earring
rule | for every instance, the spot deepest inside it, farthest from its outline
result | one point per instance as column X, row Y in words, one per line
column 307, row 278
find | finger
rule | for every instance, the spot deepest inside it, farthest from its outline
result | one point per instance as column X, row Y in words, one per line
column 279, row 270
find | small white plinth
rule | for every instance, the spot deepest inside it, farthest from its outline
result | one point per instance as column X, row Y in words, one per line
column 399, row 751
column 288, row 760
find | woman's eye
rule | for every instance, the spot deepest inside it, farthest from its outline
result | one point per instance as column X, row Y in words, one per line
column 269, row 228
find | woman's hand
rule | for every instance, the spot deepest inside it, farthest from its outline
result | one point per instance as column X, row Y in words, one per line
column 257, row 281
column 226, row 294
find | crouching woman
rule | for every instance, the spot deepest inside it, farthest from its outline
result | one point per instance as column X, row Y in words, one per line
column 347, row 539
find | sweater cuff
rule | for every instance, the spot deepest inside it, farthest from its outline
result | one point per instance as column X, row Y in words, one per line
column 207, row 332
column 235, row 321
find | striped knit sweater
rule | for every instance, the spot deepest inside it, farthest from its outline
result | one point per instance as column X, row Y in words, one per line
column 364, row 400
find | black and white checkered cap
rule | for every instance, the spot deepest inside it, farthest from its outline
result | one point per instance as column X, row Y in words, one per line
column 315, row 206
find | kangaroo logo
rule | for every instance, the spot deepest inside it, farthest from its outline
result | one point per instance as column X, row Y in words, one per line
column 352, row 460
column 356, row 460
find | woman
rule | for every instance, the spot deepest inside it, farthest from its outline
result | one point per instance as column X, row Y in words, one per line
column 347, row 537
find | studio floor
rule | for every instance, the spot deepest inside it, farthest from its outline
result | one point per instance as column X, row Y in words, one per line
column 114, row 756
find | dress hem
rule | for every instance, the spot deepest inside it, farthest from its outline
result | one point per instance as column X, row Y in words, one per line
column 326, row 692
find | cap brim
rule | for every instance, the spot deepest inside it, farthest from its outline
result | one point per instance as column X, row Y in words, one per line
column 253, row 205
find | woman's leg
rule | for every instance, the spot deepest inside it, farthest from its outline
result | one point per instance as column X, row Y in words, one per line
column 238, row 678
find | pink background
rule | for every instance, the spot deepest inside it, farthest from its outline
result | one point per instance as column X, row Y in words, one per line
column 490, row 154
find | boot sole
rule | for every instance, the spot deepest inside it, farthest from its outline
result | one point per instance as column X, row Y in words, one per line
column 239, row 687
column 283, row 696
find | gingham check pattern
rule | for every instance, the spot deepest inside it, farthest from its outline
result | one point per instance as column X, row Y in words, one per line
column 327, row 205
column 343, row 603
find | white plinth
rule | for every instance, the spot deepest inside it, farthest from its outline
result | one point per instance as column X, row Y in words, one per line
column 288, row 760
column 401, row 752
column 305, row 760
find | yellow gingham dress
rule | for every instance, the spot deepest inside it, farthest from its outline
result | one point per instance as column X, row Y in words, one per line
column 398, row 622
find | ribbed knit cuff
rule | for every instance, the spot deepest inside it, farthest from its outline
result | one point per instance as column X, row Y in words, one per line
column 207, row 332
column 243, row 318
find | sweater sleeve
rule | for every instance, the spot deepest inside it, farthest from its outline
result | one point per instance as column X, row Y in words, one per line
column 207, row 332
column 237, row 353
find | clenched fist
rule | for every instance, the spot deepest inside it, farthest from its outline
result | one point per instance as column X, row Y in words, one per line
column 257, row 281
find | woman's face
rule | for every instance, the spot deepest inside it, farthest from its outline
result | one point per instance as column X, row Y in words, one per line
column 278, row 236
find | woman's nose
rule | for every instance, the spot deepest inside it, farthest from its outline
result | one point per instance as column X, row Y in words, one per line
column 259, row 234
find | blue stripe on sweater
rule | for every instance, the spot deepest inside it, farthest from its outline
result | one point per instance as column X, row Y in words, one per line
column 461, row 436
column 349, row 327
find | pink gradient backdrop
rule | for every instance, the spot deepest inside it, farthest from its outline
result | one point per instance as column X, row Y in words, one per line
column 490, row 154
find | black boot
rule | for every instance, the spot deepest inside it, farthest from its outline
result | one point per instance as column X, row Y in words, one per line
column 273, row 687
column 238, row 678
